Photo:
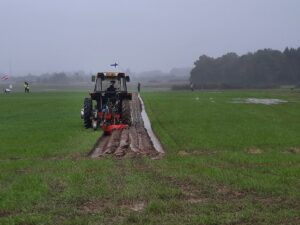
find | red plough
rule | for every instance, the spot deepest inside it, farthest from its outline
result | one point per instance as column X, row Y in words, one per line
column 112, row 121
column 108, row 129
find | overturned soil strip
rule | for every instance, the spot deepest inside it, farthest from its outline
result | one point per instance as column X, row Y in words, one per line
column 133, row 141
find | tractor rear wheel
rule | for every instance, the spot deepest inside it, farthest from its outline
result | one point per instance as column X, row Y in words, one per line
column 87, row 109
column 126, row 114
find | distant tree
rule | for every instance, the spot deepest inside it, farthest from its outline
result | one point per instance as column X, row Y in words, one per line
column 58, row 78
column 264, row 68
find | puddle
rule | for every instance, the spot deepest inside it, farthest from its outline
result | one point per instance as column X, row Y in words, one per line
column 148, row 127
column 263, row 101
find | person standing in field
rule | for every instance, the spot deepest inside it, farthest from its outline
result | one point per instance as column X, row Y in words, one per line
column 139, row 87
column 26, row 86
column 192, row 86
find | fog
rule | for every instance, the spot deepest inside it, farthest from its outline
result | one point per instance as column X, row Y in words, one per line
column 70, row 35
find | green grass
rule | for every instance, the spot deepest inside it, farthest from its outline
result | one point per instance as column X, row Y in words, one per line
column 220, row 134
column 208, row 176
column 42, row 125
column 221, row 124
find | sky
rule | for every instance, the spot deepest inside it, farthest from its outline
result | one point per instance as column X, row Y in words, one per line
column 39, row 36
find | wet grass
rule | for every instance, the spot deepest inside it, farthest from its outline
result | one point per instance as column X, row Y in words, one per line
column 251, row 149
column 211, row 174
column 210, row 120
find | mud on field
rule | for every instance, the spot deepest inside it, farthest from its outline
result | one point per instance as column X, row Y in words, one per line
column 138, row 139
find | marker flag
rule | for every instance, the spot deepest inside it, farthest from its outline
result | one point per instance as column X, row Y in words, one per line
column 5, row 77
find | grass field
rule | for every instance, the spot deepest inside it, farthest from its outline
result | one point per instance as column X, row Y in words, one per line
column 225, row 163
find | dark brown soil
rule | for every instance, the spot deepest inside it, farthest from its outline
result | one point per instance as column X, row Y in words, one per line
column 130, row 142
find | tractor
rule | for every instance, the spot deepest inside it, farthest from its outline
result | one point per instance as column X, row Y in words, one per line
column 108, row 106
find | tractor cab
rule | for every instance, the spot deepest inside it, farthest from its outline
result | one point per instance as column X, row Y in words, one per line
column 111, row 108
column 110, row 81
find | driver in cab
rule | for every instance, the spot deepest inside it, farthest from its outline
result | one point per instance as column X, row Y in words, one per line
column 111, row 88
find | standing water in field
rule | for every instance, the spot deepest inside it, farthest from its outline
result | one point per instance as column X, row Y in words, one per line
column 264, row 101
column 148, row 127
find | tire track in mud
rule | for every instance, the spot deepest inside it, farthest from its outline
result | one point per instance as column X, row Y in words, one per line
column 133, row 141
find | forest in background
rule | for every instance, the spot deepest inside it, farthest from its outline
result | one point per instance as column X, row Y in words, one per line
column 265, row 68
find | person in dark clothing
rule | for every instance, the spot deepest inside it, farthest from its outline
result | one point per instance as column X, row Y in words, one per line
column 111, row 88
column 139, row 87
column 111, row 93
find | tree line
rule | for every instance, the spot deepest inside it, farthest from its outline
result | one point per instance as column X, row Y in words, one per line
column 56, row 78
column 265, row 68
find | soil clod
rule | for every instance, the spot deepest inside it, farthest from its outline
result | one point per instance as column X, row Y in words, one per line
column 128, row 142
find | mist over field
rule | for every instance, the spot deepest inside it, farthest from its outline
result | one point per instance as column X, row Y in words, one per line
column 39, row 37
column 149, row 112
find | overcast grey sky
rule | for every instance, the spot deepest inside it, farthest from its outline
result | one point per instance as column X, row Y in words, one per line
column 66, row 35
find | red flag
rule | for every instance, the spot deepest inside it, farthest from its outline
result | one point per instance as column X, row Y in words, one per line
column 5, row 77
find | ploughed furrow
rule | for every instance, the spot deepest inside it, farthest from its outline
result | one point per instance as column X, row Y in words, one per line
column 130, row 142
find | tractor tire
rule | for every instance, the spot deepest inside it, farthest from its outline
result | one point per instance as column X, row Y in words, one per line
column 87, row 109
column 126, row 112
